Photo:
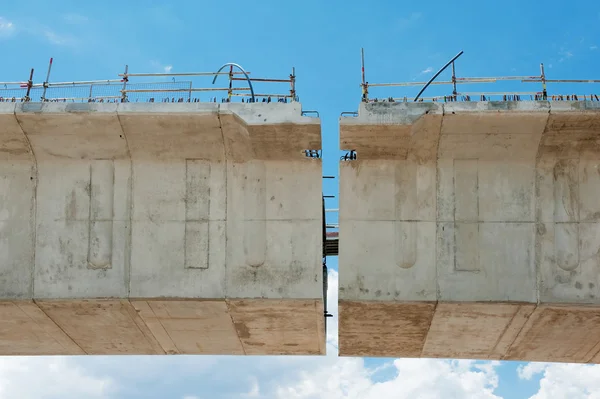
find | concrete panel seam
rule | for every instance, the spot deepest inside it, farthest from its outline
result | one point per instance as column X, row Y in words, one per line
column 128, row 237
column 225, row 287
column 435, row 305
column 504, row 332
column 537, row 217
column 438, row 292
column 91, row 264
column 35, row 185
column 163, row 327
column 137, row 319
column 596, row 355
column 187, row 264
column 591, row 354
column 320, row 332
column 520, row 330
column 59, row 327
column 233, row 324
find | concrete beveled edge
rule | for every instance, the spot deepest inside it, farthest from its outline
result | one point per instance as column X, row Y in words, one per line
column 586, row 305
column 65, row 108
column 385, row 113
column 400, row 113
column 269, row 113
column 250, row 113
column 150, row 333
column 159, row 298
column 423, row 301
column 7, row 108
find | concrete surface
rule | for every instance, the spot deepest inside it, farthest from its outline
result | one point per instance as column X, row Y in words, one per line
column 471, row 230
column 159, row 228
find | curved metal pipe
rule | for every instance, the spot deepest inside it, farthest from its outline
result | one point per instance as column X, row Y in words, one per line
column 437, row 74
column 241, row 69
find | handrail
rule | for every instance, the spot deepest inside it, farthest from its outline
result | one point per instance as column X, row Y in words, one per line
column 454, row 96
column 438, row 74
column 104, row 89
column 245, row 74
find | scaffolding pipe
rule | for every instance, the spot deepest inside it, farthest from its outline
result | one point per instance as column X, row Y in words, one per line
column 229, row 92
column 47, row 80
column 29, row 85
column 365, row 88
column 266, row 80
column 181, row 74
column 362, row 64
column 453, row 79
column 561, row 80
column 543, row 75
column 84, row 82
column 261, row 95
column 442, row 82
column 185, row 90
column 437, row 74
column 245, row 74
column 293, row 84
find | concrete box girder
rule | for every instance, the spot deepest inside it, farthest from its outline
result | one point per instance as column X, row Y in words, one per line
column 471, row 230
column 165, row 226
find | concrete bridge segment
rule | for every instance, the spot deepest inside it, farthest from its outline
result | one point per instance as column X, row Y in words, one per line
column 159, row 228
column 471, row 230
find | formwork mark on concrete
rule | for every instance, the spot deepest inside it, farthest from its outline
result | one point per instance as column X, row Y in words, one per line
column 435, row 305
column 320, row 330
column 233, row 321
column 58, row 326
column 226, row 201
column 537, row 246
column 128, row 237
column 592, row 353
column 35, row 184
column 518, row 334
column 150, row 331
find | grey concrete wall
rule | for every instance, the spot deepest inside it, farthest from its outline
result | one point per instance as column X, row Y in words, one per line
column 159, row 200
column 478, row 201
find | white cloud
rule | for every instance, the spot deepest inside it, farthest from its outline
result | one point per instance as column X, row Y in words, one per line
column 594, row 47
column 427, row 70
column 58, row 39
column 531, row 369
column 414, row 378
column 572, row 381
column 254, row 391
column 158, row 66
column 55, row 377
column 33, row 27
column 332, row 308
column 7, row 28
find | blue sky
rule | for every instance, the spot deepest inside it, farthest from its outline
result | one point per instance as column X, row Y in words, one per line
column 404, row 41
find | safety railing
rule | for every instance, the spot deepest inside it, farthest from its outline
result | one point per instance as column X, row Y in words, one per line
column 178, row 87
column 457, row 95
